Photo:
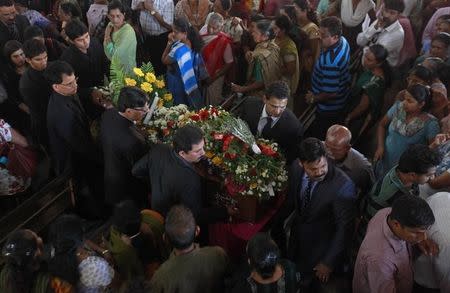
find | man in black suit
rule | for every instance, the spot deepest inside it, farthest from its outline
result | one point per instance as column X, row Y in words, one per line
column 123, row 146
column 35, row 89
column 12, row 25
column 321, row 204
column 269, row 118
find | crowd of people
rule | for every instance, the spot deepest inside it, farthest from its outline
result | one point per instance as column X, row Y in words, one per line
column 366, row 205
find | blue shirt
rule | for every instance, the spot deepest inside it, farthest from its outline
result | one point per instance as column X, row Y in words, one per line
column 331, row 75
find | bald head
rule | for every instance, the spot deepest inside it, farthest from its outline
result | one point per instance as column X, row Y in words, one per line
column 338, row 141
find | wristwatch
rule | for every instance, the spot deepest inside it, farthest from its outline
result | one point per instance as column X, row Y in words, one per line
column 153, row 12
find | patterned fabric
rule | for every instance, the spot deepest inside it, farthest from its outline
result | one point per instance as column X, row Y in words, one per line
column 149, row 24
column 400, row 125
column 198, row 17
column 5, row 132
column 35, row 18
column 95, row 272
column 95, row 14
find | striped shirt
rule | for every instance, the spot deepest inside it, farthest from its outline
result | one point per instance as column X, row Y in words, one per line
column 331, row 75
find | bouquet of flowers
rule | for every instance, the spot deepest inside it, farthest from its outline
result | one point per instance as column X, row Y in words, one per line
column 248, row 166
column 143, row 77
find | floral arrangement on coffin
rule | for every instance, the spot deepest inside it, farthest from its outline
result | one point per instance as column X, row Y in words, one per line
column 248, row 166
column 143, row 77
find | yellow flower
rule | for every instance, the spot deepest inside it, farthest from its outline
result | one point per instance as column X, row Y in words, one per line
column 209, row 154
column 138, row 72
column 130, row 81
column 159, row 83
column 217, row 161
column 168, row 97
column 146, row 87
column 150, row 77
column 253, row 185
column 160, row 103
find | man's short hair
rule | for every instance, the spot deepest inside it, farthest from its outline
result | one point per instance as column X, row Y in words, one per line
column 23, row 3
column 226, row 4
column 33, row 48
column 278, row 89
column 75, row 29
column 6, row 3
column 311, row 149
column 33, row 31
column 397, row 5
column 418, row 159
column 55, row 71
column 127, row 217
column 185, row 137
column 333, row 25
column 412, row 211
column 131, row 97
column 180, row 227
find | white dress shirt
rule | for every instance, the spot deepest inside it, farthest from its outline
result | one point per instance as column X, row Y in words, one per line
column 434, row 271
column 391, row 38
column 263, row 120
column 149, row 24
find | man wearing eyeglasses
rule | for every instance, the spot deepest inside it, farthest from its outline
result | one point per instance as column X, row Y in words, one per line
column 270, row 119
column 123, row 146
column 70, row 140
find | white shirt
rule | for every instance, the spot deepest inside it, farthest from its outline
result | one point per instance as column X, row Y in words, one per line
column 391, row 38
column 263, row 120
column 149, row 23
column 434, row 271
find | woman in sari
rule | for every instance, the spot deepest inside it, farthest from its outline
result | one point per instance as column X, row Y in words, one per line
column 218, row 57
column 407, row 123
column 368, row 92
column 120, row 39
column 135, row 241
column 185, row 67
column 195, row 11
column 264, row 62
column 307, row 21
column 290, row 70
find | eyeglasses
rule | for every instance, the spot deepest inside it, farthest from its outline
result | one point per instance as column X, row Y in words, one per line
column 73, row 83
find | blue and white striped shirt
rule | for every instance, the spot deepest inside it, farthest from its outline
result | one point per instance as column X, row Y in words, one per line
column 331, row 75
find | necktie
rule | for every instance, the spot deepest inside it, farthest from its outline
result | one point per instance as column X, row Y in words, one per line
column 266, row 130
column 307, row 195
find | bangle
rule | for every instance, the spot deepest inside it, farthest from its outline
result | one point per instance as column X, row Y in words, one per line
column 105, row 251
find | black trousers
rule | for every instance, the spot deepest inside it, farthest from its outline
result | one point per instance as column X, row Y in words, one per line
column 154, row 47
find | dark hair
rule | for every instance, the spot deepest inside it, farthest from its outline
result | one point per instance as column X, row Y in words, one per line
column 418, row 159
column 55, row 70
column 33, row 48
column 412, row 211
column 180, row 227
column 265, row 27
column 423, row 73
column 75, row 29
column 421, row 94
column 442, row 37
column 397, row 5
column 183, row 25
column 33, row 31
column 311, row 149
column 278, row 89
column 71, row 8
column 226, row 4
column 284, row 23
column 11, row 47
column 6, row 3
column 116, row 4
column 24, row 3
column 437, row 68
column 333, row 25
column 65, row 236
column 185, row 137
column 255, row 17
column 131, row 97
column 263, row 254
column 381, row 54
column 310, row 13
column 126, row 217
column 18, row 254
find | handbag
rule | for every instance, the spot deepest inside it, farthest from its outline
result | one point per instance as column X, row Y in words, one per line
column 22, row 161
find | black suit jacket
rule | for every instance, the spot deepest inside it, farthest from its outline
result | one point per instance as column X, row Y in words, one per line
column 122, row 147
column 287, row 132
column 322, row 233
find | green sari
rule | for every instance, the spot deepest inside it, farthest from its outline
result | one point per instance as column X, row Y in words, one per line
column 122, row 49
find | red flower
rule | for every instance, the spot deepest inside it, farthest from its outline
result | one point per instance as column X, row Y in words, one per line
column 170, row 124
column 204, row 114
column 230, row 156
column 232, row 187
column 267, row 151
column 227, row 139
column 195, row 117
column 214, row 111
column 166, row 131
